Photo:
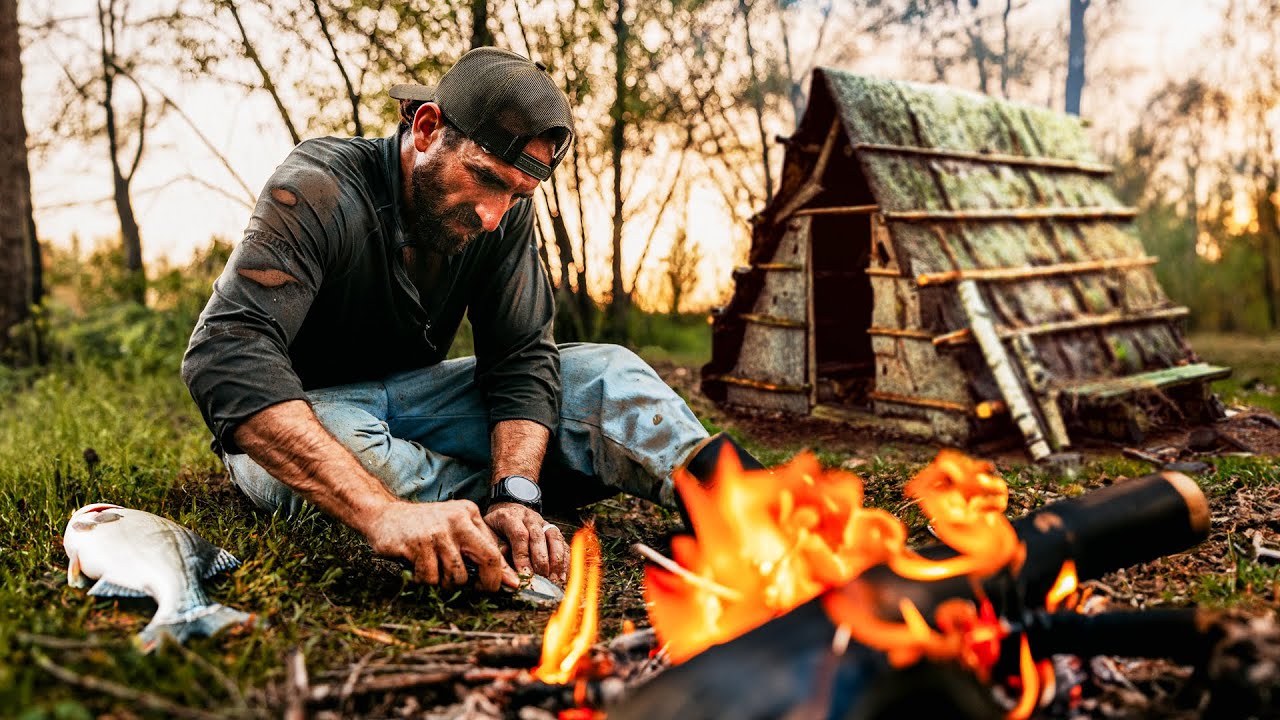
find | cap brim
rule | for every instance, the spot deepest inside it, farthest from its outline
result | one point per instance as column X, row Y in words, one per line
column 410, row 91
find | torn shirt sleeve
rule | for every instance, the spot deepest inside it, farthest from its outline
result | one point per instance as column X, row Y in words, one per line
column 511, row 313
column 237, row 362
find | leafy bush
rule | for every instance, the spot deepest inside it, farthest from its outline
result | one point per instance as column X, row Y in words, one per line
column 89, row 319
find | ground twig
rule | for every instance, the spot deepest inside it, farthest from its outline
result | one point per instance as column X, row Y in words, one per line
column 457, row 632
column 143, row 698
column 233, row 690
column 297, row 687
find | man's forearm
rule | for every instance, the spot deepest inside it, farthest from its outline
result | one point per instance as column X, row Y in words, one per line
column 290, row 443
column 518, row 448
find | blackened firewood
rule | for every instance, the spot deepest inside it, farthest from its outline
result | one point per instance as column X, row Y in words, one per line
column 1181, row 635
column 520, row 654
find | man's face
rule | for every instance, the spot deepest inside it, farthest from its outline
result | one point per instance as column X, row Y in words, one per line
column 460, row 191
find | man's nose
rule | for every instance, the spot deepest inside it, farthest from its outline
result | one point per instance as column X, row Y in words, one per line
column 490, row 213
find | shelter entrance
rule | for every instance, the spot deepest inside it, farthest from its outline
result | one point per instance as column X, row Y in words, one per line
column 844, row 364
column 843, row 368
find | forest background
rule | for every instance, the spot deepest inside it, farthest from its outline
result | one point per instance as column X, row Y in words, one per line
column 148, row 126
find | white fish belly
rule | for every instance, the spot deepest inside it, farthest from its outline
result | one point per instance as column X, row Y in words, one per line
column 136, row 552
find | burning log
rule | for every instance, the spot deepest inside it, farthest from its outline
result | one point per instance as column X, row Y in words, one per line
column 1112, row 528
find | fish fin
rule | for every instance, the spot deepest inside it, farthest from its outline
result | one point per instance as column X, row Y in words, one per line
column 105, row 588
column 202, row 556
column 221, row 562
column 75, row 576
column 202, row 622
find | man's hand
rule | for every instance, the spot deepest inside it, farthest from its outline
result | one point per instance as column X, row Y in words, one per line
column 435, row 537
column 536, row 545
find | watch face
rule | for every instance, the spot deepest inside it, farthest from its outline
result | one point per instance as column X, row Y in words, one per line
column 522, row 488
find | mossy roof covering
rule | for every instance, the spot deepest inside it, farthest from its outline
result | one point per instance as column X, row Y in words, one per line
column 878, row 112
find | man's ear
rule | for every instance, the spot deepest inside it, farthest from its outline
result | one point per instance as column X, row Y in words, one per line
column 428, row 121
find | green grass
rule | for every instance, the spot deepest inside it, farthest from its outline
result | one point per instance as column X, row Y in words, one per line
column 312, row 579
column 309, row 577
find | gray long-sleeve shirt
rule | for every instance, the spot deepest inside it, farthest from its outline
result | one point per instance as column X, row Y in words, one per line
column 317, row 294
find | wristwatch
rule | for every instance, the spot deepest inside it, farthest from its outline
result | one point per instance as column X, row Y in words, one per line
column 517, row 489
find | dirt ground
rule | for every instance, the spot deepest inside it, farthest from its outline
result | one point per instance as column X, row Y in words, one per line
column 1258, row 429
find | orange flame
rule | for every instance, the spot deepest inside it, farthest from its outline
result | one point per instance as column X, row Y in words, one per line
column 571, row 631
column 1030, row 684
column 768, row 541
column 1064, row 588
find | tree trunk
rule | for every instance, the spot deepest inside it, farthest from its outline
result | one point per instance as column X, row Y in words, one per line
column 1269, row 234
column 129, row 234
column 480, row 35
column 619, row 302
column 37, row 255
column 1075, row 56
column 15, row 192
column 1004, row 51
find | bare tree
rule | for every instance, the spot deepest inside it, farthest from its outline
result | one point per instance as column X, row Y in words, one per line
column 250, row 51
column 353, row 95
column 16, row 227
column 119, row 128
column 757, row 98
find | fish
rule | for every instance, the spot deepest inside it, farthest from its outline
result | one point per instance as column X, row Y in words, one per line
column 132, row 553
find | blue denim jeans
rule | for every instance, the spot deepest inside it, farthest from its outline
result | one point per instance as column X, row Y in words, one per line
column 425, row 433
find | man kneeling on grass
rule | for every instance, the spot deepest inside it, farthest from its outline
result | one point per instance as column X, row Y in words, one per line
column 319, row 361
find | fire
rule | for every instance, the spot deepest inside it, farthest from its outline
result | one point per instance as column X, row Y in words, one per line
column 1064, row 588
column 767, row 541
column 571, row 631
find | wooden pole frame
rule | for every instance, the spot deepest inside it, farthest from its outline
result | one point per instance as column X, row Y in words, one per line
column 965, row 335
column 1045, row 163
column 1020, row 407
column 774, row 321
column 760, row 384
column 838, row 210
column 900, row 333
column 812, row 185
column 1034, row 271
column 982, row 410
column 1015, row 214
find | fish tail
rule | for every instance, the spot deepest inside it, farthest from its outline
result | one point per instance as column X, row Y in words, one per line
column 201, row 622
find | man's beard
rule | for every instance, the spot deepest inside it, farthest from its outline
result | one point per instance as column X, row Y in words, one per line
column 431, row 226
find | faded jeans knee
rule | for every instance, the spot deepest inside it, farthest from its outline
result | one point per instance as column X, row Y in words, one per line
column 367, row 437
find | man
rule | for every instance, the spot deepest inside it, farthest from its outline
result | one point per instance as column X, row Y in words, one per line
column 318, row 362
